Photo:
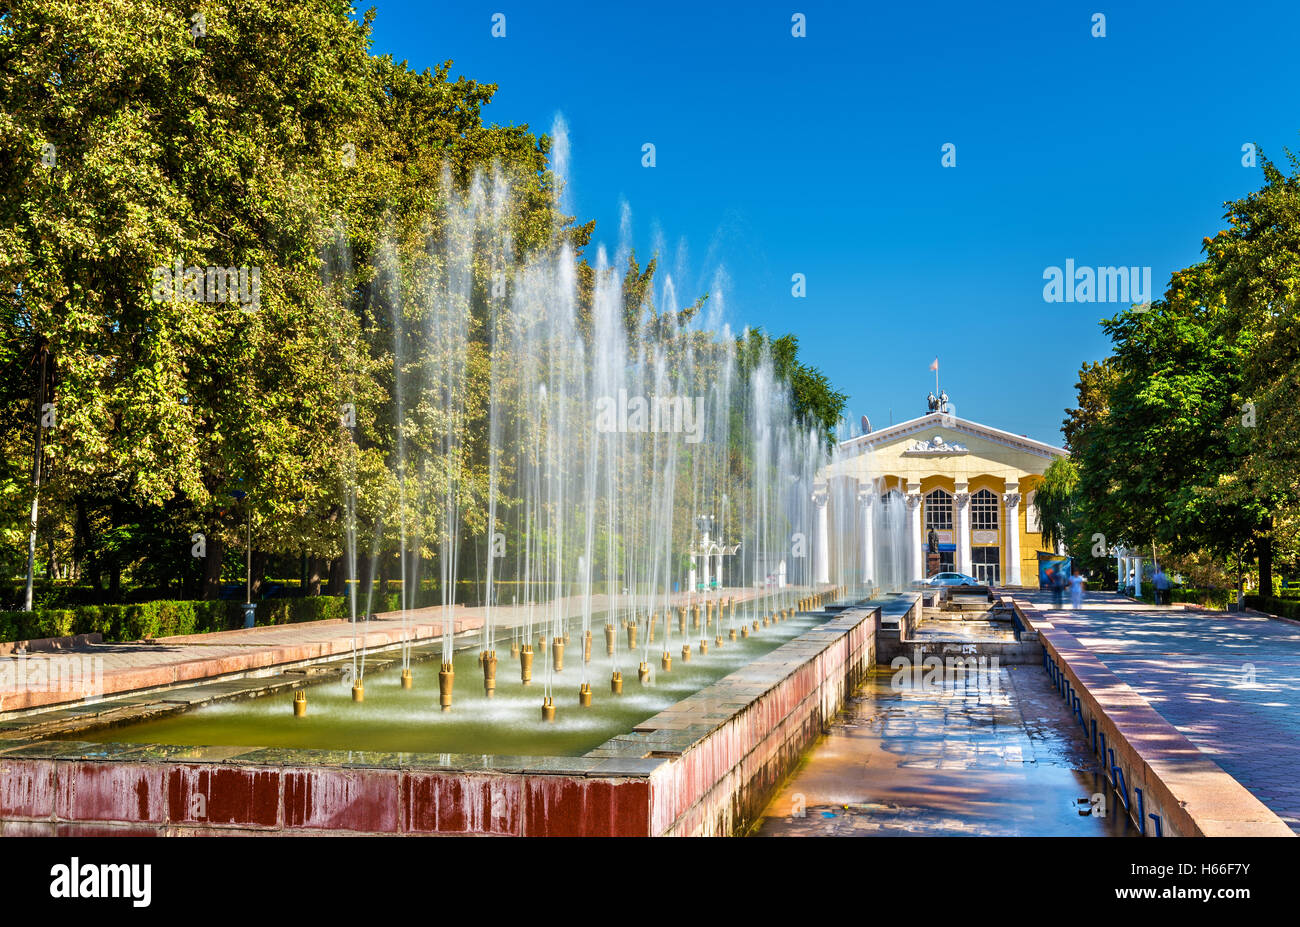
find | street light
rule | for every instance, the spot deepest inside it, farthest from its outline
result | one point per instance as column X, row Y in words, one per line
column 250, row 607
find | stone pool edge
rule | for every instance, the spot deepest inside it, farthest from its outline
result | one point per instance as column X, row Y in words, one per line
column 687, row 770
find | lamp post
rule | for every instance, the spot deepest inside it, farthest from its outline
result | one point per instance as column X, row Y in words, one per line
column 704, row 523
column 250, row 607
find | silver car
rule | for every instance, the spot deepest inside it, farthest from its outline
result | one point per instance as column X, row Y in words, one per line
column 954, row 579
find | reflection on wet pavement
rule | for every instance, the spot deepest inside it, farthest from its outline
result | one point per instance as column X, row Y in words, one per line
column 992, row 752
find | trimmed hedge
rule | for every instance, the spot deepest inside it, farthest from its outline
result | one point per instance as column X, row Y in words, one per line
column 163, row 618
column 1287, row 608
column 291, row 611
column 1207, row 598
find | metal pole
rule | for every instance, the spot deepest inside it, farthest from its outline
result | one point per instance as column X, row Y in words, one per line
column 36, row 485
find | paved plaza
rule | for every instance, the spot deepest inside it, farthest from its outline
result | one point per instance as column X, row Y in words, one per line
column 1230, row 683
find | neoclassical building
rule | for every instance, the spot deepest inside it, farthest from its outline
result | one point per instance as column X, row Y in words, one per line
column 972, row 485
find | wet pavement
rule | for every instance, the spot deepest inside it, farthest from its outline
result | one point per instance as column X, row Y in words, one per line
column 965, row 630
column 992, row 752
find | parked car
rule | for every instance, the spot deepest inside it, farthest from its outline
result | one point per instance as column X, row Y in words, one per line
column 954, row 579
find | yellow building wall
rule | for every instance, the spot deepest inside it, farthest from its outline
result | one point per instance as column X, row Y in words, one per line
column 1031, row 542
column 988, row 465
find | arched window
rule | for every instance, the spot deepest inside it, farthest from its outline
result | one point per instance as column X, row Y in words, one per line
column 984, row 511
column 938, row 518
column 938, row 510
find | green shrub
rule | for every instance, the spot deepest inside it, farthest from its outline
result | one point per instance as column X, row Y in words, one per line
column 1207, row 598
column 1287, row 608
column 162, row 618
column 309, row 608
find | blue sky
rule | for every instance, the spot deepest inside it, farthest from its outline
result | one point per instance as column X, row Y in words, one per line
column 821, row 156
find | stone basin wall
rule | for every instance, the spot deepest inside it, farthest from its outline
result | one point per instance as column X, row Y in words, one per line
column 706, row 765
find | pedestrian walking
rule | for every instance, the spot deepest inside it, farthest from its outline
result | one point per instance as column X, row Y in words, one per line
column 1160, row 580
column 1076, row 589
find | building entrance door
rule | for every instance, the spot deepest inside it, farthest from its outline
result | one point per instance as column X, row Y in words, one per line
column 985, row 565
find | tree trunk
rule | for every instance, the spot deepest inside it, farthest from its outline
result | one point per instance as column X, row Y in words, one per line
column 365, row 580
column 260, row 559
column 1264, row 552
column 84, row 549
column 334, row 586
column 385, row 573
column 315, row 565
column 210, row 585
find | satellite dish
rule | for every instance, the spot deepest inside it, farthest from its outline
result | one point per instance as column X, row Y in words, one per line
column 866, row 425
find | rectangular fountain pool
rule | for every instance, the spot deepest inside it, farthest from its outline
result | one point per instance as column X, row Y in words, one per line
column 393, row 719
column 678, row 762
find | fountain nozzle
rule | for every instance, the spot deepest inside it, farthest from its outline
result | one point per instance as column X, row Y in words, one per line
column 489, row 660
column 300, row 704
column 446, row 679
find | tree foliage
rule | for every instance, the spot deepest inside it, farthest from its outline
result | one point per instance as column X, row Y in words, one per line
column 137, row 136
column 1185, row 437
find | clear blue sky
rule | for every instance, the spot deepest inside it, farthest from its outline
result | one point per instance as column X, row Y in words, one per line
column 821, row 156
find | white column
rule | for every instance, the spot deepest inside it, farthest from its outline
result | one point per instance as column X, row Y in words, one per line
column 1012, row 500
column 706, row 560
column 821, row 547
column 1137, row 577
column 866, row 498
column 963, row 529
column 918, row 545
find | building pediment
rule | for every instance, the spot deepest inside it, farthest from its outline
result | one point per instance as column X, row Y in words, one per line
column 949, row 430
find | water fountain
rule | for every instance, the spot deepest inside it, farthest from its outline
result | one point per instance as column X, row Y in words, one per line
column 564, row 461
